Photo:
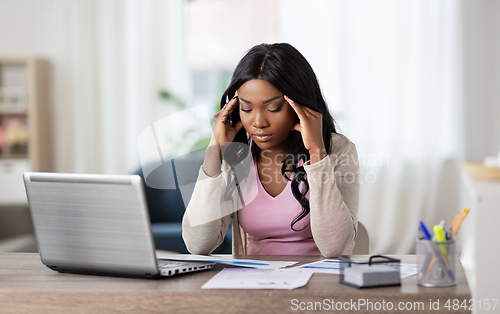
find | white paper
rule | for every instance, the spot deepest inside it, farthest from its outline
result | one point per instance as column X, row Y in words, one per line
column 244, row 278
column 326, row 266
column 228, row 260
column 408, row 270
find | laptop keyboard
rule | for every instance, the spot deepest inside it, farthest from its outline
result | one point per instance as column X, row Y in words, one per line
column 169, row 268
column 169, row 265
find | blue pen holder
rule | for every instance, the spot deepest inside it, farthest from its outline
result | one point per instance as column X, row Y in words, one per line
column 436, row 263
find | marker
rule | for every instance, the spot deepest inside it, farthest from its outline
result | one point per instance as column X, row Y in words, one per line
column 440, row 237
column 441, row 224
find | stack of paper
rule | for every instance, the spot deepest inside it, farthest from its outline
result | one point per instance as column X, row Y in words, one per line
column 372, row 276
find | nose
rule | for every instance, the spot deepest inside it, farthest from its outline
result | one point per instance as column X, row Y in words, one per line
column 259, row 120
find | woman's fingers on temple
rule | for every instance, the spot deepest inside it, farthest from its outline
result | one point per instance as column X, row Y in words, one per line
column 305, row 111
column 312, row 112
column 298, row 109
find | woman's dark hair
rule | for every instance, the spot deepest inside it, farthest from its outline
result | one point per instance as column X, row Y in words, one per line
column 286, row 69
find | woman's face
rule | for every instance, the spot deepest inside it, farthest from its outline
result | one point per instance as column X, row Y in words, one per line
column 265, row 115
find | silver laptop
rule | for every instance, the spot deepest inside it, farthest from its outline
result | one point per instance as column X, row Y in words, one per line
column 96, row 224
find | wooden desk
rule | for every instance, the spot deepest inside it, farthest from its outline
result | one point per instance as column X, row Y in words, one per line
column 27, row 286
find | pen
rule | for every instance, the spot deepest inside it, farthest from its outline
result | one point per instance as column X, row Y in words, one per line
column 455, row 227
column 440, row 260
column 229, row 117
column 455, row 219
column 427, row 236
column 425, row 231
column 441, row 224
column 428, row 257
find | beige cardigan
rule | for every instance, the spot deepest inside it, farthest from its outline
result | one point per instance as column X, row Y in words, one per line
column 333, row 206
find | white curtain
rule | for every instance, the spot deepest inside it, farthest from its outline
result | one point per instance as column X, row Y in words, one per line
column 121, row 53
column 391, row 73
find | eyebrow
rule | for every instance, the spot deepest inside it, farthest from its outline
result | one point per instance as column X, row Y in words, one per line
column 264, row 102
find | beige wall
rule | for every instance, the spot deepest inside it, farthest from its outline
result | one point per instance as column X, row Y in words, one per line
column 481, row 53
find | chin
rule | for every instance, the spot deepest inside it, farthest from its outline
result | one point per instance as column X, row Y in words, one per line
column 262, row 145
column 269, row 145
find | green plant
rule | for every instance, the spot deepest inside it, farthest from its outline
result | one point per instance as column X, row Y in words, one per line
column 189, row 136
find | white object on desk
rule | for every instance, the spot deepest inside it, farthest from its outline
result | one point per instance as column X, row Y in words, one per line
column 244, row 278
column 227, row 259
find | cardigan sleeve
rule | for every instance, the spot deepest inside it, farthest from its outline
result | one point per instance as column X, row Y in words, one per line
column 334, row 197
column 208, row 214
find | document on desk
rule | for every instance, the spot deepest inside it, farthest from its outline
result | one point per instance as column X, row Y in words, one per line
column 228, row 260
column 244, row 278
column 408, row 270
column 332, row 266
column 326, row 266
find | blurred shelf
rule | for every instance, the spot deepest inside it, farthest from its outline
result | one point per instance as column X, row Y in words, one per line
column 25, row 118
column 13, row 156
column 479, row 171
column 13, row 111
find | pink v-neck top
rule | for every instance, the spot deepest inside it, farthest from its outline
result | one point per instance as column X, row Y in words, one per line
column 333, row 197
column 267, row 221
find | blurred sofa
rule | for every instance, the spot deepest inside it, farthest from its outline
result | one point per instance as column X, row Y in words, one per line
column 165, row 188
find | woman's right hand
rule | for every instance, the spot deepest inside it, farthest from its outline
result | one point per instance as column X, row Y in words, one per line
column 223, row 132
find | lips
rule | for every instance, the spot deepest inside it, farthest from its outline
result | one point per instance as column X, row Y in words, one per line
column 261, row 137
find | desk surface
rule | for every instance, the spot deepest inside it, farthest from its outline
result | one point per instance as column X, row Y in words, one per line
column 26, row 284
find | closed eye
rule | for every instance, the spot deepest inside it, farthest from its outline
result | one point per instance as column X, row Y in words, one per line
column 276, row 110
column 246, row 110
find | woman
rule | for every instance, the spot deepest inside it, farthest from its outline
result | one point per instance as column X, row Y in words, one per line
column 303, row 199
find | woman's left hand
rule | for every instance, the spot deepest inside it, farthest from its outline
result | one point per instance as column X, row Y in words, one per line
column 311, row 128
